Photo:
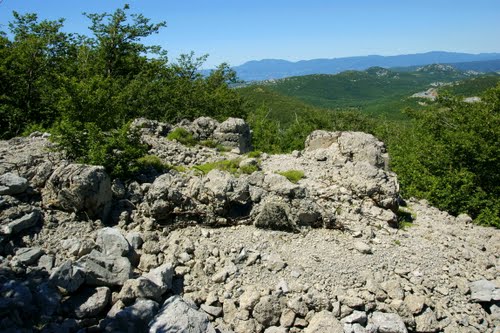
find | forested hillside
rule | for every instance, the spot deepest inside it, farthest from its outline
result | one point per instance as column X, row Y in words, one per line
column 85, row 90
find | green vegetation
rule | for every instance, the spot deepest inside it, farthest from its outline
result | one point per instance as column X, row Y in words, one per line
column 450, row 153
column 152, row 161
column 181, row 135
column 292, row 175
column 86, row 90
column 231, row 166
column 254, row 154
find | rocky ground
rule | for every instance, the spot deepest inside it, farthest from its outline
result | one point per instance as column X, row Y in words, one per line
column 338, row 251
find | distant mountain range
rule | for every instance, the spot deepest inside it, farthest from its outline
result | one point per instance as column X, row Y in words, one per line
column 275, row 68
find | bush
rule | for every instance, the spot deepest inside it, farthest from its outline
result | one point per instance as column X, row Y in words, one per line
column 181, row 135
column 450, row 156
column 118, row 150
column 292, row 175
column 152, row 161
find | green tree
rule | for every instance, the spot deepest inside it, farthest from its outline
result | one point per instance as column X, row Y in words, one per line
column 451, row 154
column 31, row 66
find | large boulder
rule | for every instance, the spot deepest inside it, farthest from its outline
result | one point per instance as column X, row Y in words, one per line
column 353, row 146
column 79, row 188
column 134, row 318
column 275, row 215
column 234, row 133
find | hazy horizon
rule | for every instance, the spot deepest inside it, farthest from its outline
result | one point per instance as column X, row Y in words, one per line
column 292, row 30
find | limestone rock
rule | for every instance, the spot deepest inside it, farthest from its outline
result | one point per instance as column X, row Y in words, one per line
column 112, row 242
column 28, row 256
column 234, row 133
column 12, row 184
column 388, row 322
column 134, row 318
column 161, row 276
column 102, row 270
column 275, row 216
column 482, row 291
column 324, row 322
column 268, row 310
column 22, row 223
column 427, row 322
column 68, row 276
column 88, row 302
column 140, row 288
column 179, row 316
column 79, row 188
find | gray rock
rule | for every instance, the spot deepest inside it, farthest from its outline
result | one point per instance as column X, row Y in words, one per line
column 22, row 223
column 12, row 184
column 234, row 133
column 324, row 322
column 87, row 303
column 355, row 317
column 68, row 277
column 362, row 247
column 482, row 291
column 102, row 270
column 275, row 216
column 268, row 310
column 178, row 316
column 46, row 262
column 203, row 128
column 28, row 255
column 134, row 318
column 162, row 276
column 140, row 288
column 135, row 240
column 427, row 322
column 112, row 242
column 79, row 188
column 388, row 322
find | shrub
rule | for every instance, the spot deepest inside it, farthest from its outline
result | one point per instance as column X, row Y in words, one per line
column 181, row 135
column 249, row 169
column 152, row 161
column 292, row 175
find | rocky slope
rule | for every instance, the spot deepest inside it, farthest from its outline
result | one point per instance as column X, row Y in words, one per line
column 238, row 251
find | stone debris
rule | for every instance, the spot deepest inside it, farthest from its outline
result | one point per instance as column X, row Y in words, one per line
column 220, row 252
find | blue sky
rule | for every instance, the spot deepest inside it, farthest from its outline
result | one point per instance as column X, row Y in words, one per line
column 238, row 31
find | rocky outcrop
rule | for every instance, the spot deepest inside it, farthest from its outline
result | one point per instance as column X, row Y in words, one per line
column 313, row 254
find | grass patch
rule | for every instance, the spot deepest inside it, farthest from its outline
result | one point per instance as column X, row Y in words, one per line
column 231, row 166
column 153, row 161
column 254, row 154
column 249, row 169
column 292, row 175
column 208, row 143
column 397, row 242
column 181, row 135
column 223, row 149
